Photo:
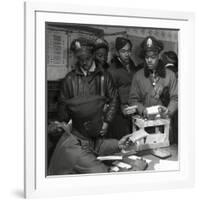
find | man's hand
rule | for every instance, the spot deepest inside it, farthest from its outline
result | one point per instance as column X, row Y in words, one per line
column 124, row 141
column 104, row 129
column 59, row 127
column 164, row 112
column 54, row 127
column 145, row 113
column 128, row 110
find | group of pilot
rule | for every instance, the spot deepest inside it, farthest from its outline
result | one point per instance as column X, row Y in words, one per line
column 95, row 96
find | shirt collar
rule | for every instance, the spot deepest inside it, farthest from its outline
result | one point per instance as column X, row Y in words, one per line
column 92, row 69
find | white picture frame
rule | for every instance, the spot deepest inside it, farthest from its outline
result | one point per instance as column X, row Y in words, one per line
column 35, row 182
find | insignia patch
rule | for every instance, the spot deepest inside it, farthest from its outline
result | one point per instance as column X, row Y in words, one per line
column 78, row 45
column 149, row 42
column 99, row 41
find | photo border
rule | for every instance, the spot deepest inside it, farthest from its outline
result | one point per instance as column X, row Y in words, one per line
column 33, row 186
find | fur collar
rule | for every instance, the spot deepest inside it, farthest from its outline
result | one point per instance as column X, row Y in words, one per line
column 160, row 70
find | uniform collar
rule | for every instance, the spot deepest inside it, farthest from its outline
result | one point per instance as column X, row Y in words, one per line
column 160, row 70
column 92, row 69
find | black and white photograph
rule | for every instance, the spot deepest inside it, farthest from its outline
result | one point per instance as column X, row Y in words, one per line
column 100, row 100
column 111, row 99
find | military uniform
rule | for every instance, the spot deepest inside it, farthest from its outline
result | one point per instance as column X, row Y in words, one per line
column 154, row 87
column 142, row 91
column 75, row 154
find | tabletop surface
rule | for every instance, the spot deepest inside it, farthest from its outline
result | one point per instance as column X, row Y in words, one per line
column 164, row 164
column 156, row 163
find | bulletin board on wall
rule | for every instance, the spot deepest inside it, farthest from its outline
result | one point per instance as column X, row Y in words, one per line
column 56, row 54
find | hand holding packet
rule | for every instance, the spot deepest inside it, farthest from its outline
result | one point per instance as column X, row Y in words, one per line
column 138, row 135
column 130, row 110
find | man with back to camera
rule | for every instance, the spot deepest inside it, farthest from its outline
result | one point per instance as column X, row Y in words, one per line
column 82, row 99
column 154, row 84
